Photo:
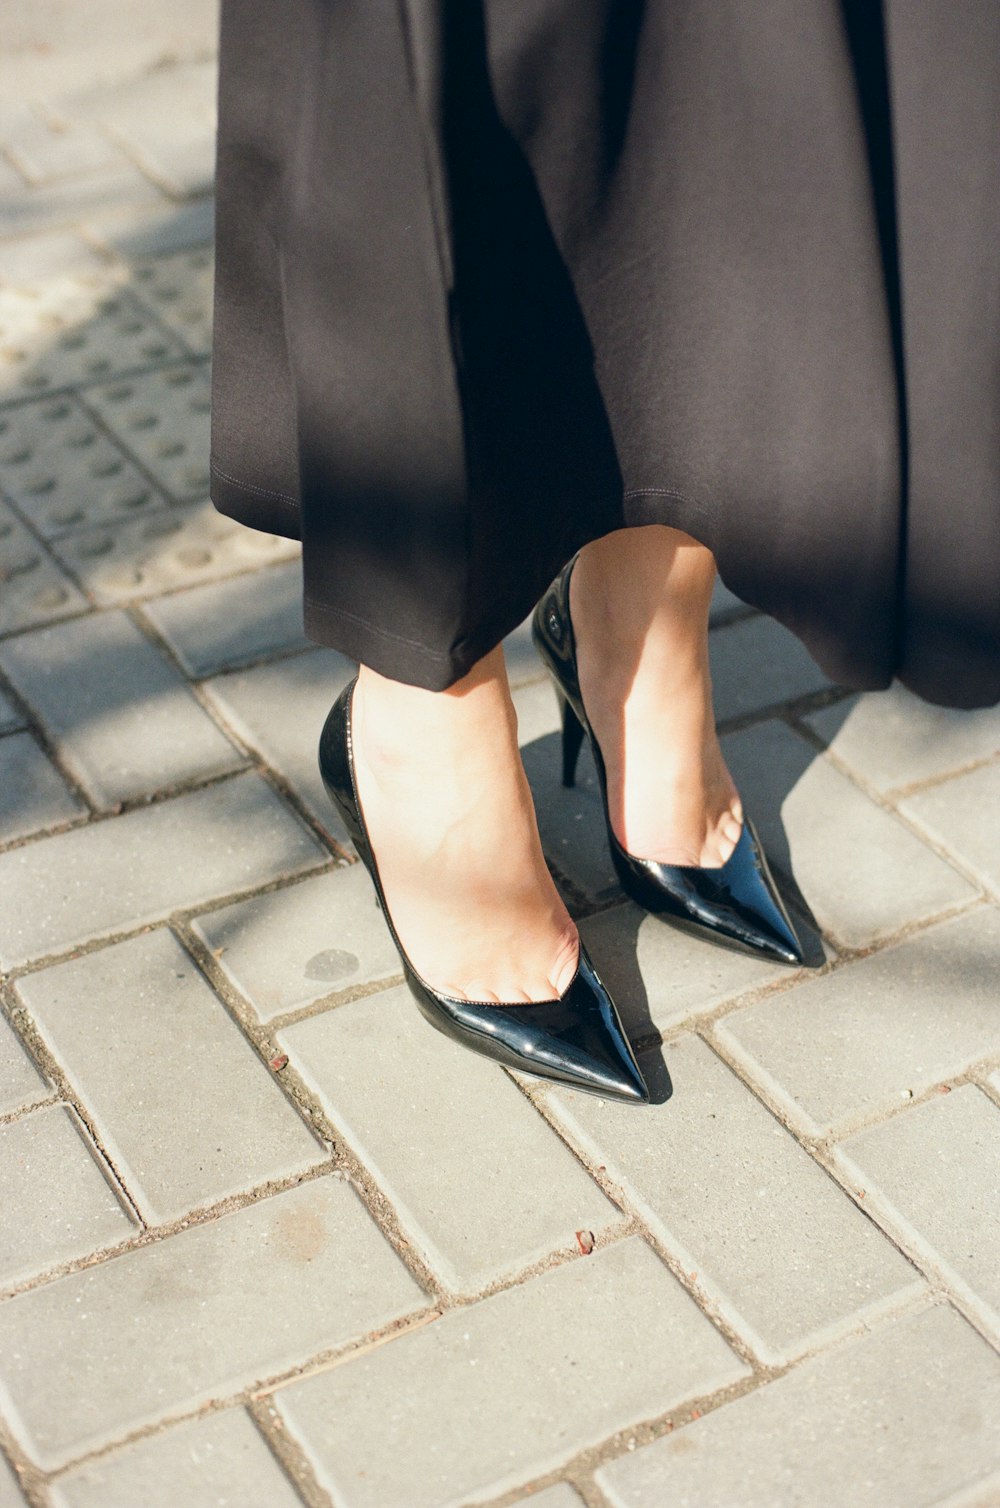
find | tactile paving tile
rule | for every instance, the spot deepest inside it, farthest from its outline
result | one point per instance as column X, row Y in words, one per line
column 63, row 472
column 33, row 589
column 172, row 548
column 163, row 419
column 74, row 329
column 179, row 289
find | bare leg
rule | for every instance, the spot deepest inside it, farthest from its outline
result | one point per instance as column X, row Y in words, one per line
column 453, row 830
column 639, row 600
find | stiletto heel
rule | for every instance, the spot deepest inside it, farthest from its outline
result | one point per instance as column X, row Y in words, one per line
column 572, row 739
column 577, row 1039
column 737, row 904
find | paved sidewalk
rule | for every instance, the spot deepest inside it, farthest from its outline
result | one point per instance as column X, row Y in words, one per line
column 267, row 1239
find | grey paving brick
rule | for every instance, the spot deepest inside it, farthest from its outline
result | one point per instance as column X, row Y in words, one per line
column 961, row 815
column 31, row 260
column 70, row 329
column 757, row 663
column 21, row 1084
column 862, row 873
column 661, row 976
column 65, row 1205
column 173, row 547
column 900, row 1419
column 11, row 1495
column 205, row 1313
column 554, row 1365
column 290, row 947
column 35, row 588
column 144, row 230
column 279, row 710
column 139, row 1033
column 162, row 416
column 33, row 794
column 203, row 1463
column 867, row 1036
column 786, row 1255
column 212, row 628
column 892, row 738
column 120, row 715
column 936, row 1171
column 63, row 472
column 179, row 289
column 10, row 716
column 438, row 1125
column 44, row 153
column 210, row 843
column 63, row 202
column 570, row 822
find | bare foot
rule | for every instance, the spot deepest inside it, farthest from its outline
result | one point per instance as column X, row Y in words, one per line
column 453, row 831
column 639, row 601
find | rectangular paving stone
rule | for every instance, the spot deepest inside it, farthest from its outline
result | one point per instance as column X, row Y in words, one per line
column 961, row 815
column 212, row 628
column 173, row 547
column 33, row 794
column 21, row 1084
column 63, row 203
column 153, row 230
column 31, row 260
column 210, row 1462
column 187, row 1111
column 290, row 947
column 660, row 976
column 63, row 472
column 205, row 1313
column 935, row 1171
column 438, row 1125
column 165, row 120
column 861, row 872
column 11, row 717
column 65, row 1205
column 35, row 587
column 114, row 706
column 893, row 739
column 65, row 330
column 757, row 663
column 787, row 1256
column 207, row 844
column 545, row 1369
column 45, row 153
column 279, row 710
column 903, row 1418
column 179, row 288
column 865, row 1037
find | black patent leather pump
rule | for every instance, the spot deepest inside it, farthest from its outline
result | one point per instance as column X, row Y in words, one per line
column 736, row 904
column 576, row 1040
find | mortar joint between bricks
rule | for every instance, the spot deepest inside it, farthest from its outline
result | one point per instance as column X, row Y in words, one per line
column 287, row 1452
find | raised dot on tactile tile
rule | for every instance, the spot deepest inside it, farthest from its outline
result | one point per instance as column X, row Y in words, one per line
column 97, row 364
column 72, row 340
column 144, row 421
column 167, row 448
column 10, row 354
column 109, row 305
column 135, row 497
column 67, row 516
column 145, row 273
column 192, row 557
column 106, row 466
column 155, row 348
column 17, row 456
column 117, row 394
column 157, row 527
column 38, row 486
column 102, row 544
column 56, row 411
column 181, row 378
column 130, row 327
column 168, row 293
column 81, row 438
column 19, row 565
column 196, row 476
column 200, row 405
column 331, row 966
column 121, row 579
column 51, row 596
column 36, row 379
